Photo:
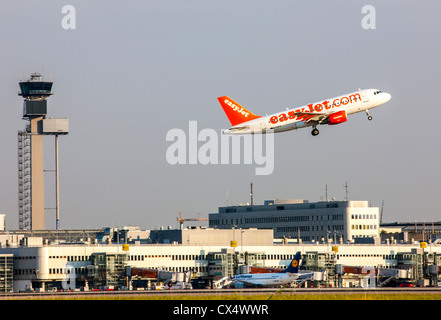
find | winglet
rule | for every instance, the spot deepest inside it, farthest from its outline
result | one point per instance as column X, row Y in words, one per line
column 235, row 112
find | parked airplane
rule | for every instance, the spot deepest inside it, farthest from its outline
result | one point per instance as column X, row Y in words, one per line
column 286, row 276
column 330, row 111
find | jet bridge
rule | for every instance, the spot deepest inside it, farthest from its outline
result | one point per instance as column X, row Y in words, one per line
column 379, row 276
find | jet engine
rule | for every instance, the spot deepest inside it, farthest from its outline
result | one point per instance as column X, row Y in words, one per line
column 337, row 117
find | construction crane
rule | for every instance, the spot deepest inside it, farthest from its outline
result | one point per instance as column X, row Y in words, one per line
column 181, row 219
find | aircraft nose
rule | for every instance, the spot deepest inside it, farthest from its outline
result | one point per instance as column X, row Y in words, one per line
column 387, row 96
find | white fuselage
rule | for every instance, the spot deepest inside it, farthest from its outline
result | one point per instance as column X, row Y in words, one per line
column 267, row 279
column 353, row 102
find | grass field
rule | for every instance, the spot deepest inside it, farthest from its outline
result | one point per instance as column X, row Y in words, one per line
column 355, row 296
column 287, row 294
column 249, row 297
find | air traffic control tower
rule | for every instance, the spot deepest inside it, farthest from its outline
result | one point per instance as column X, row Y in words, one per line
column 35, row 93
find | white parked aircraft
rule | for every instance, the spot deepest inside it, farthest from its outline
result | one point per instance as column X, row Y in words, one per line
column 284, row 277
column 330, row 111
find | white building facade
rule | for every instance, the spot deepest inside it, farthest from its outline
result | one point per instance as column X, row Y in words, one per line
column 342, row 221
column 44, row 266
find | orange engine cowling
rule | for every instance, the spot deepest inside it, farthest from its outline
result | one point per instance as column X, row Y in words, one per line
column 337, row 117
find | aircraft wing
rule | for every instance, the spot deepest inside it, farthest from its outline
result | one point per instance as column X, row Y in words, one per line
column 252, row 283
column 237, row 129
column 302, row 276
column 312, row 116
column 255, row 284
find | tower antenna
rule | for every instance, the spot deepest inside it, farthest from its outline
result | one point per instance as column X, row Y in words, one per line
column 251, row 193
column 346, row 187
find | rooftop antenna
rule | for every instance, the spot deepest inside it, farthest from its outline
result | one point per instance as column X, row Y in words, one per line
column 251, row 193
column 346, row 187
column 326, row 191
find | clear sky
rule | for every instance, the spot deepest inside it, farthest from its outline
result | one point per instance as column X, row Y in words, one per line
column 132, row 71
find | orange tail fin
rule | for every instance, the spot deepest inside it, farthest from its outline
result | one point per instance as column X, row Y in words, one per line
column 235, row 112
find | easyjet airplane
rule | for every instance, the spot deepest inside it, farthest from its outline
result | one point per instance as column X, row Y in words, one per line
column 330, row 111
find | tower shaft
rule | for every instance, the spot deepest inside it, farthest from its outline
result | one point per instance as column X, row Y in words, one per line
column 37, row 175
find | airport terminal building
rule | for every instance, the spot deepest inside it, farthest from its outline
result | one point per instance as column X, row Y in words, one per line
column 337, row 240
column 202, row 257
column 343, row 221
